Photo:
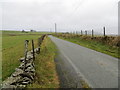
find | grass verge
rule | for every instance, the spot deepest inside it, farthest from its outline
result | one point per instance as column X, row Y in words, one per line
column 46, row 75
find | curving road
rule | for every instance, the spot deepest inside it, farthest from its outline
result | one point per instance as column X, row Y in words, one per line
column 75, row 62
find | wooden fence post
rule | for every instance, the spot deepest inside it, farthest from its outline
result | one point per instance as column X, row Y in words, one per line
column 39, row 40
column 26, row 51
column 104, row 31
column 86, row 33
column 33, row 50
column 81, row 32
column 92, row 33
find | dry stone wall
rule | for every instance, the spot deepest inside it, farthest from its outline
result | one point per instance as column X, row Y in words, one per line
column 22, row 77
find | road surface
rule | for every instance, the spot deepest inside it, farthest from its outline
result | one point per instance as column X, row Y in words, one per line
column 75, row 62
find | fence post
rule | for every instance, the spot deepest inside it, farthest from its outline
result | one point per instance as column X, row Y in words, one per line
column 39, row 39
column 104, row 31
column 33, row 50
column 26, row 50
column 81, row 32
column 73, row 32
column 86, row 33
column 92, row 33
column 76, row 32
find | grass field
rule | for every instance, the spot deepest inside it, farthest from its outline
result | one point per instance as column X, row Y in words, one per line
column 24, row 33
column 12, row 50
column 92, row 44
column 46, row 76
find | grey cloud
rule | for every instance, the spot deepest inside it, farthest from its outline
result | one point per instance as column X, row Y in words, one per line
column 68, row 14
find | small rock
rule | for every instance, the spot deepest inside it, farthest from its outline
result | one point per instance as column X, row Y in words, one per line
column 22, row 65
column 22, row 59
column 30, row 69
column 25, row 83
column 29, row 53
column 33, row 64
column 28, row 75
column 29, row 57
column 21, row 86
column 28, row 65
column 17, row 72
column 36, row 50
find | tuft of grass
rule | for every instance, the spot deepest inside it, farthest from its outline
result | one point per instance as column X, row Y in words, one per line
column 46, row 75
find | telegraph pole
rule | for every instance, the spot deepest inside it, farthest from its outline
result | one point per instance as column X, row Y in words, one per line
column 104, row 31
column 55, row 28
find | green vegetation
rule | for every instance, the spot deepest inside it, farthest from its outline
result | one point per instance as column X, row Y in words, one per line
column 12, row 50
column 46, row 76
column 98, row 44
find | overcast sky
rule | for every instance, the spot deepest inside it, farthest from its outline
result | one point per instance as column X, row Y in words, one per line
column 70, row 15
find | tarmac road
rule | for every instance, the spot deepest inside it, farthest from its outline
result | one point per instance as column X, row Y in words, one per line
column 76, row 63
